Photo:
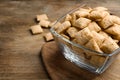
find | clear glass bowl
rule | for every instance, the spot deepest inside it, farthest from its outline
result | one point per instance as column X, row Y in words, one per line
column 71, row 51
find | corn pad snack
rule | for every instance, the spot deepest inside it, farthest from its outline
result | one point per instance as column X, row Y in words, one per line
column 72, row 32
column 82, row 23
column 92, row 44
column 109, row 45
column 83, row 36
column 113, row 30
column 93, row 26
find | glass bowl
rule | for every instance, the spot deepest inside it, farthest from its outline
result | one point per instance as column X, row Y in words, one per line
column 71, row 51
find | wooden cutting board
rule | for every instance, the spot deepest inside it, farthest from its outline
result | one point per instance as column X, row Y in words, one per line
column 60, row 69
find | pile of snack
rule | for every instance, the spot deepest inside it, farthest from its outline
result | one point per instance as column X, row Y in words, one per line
column 43, row 22
column 95, row 29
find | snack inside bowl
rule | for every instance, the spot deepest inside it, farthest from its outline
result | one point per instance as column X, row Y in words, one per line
column 88, row 37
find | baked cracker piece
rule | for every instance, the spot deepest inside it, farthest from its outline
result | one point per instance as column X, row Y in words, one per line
column 74, row 17
column 116, row 19
column 65, row 25
column 98, row 38
column 109, row 45
column 68, row 17
column 92, row 44
column 83, row 36
column 106, row 22
column 113, row 30
column 107, row 36
column 98, row 15
column 42, row 17
column 82, row 13
column 36, row 29
column 49, row 36
column 72, row 31
column 104, row 34
column 82, row 23
column 44, row 23
column 93, row 26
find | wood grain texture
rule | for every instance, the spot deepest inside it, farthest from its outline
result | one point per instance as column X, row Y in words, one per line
column 19, row 49
column 61, row 69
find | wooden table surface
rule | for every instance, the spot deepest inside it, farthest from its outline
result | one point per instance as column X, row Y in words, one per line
column 19, row 50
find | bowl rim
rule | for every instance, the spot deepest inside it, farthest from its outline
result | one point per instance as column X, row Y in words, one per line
column 75, row 44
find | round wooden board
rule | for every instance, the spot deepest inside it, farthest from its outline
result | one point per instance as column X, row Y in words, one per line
column 61, row 69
